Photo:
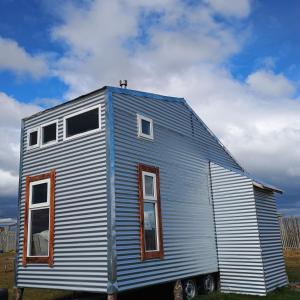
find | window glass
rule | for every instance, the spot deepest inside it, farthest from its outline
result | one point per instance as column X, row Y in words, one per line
column 39, row 237
column 33, row 138
column 49, row 133
column 82, row 122
column 145, row 127
column 39, row 193
column 150, row 226
column 149, row 186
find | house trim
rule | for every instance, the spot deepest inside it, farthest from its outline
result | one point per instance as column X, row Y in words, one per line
column 39, row 259
column 145, row 255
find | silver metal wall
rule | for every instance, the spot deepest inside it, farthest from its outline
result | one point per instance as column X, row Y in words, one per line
column 80, row 244
column 272, row 255
column 180, row 148
column 248, row 238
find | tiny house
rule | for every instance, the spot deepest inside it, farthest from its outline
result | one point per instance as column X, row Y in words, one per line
column 121, row 189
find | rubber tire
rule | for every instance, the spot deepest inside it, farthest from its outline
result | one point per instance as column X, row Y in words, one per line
column 209, row 284
column 185, row 287
column 3, row 294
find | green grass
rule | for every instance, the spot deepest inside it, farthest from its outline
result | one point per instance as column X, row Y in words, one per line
column 292, row 267
column 279, row 294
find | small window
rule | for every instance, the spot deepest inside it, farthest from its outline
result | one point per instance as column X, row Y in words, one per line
column 33, row 138
column 49, row 133
column 145, row 127
column 150, row 215
column 81, row 123
column 39, row 219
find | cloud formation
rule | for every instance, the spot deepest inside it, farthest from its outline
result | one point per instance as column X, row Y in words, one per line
column 14, row 58
column 11, row 113
column 183, row 50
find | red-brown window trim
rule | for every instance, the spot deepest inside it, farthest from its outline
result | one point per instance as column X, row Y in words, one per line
column 36, row 259
column 160, row 252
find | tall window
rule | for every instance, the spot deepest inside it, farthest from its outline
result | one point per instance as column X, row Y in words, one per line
column 39, row 219
column 150, row 212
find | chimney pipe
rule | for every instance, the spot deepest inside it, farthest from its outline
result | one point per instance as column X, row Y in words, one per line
column 123, row 84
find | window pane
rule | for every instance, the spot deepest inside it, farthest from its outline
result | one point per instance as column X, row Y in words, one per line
column 150, row 226
column 49, row 133
column 82, row 122
column 149, row 186
column 145, row 127
column 39, row 232
column 39, row 193
column 33, row 136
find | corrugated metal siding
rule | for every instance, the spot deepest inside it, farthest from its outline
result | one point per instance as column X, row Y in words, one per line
column 180, row 148
column 272, row 255
column 80, row 245
column 238, row 239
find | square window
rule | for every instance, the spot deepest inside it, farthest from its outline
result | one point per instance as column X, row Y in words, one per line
column 49, row 133
column 39, row 193
column 145, row 127
column 33, row 138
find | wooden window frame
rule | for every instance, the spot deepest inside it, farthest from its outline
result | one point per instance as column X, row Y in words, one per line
column 159, row 253
column 140, row 118
column 39, row 259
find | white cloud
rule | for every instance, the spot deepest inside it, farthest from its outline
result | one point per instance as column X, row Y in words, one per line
column 269, row 84
column 11, row 113
column 231, row 8
column 15, row 58
column 184, row 54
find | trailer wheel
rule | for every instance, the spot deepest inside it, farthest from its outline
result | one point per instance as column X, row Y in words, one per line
column 189, row 289
column 209, row 284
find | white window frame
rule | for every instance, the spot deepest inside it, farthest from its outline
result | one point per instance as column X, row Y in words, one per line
column 65, row 138
column 38, row 138
column 42, row 134
column 38, row 206
column 152, row 199
column 139, row 125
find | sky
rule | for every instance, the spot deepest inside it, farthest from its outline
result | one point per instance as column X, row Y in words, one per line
column 235, row 61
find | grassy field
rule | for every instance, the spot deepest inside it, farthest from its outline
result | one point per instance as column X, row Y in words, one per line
column 292, row 266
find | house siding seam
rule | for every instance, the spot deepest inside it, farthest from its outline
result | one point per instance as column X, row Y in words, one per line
column 183, row 160
column 272, row 255
column 80, row 243
column 239, row 250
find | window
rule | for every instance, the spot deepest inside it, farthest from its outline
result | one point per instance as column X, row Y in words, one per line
column 145, row 127
column 39, row 219
column 33, row 138
column 83, row 122
column 150, row 212
column 49, row 133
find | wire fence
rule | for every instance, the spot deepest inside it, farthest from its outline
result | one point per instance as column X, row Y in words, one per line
column 7, row 241
column 290, row 232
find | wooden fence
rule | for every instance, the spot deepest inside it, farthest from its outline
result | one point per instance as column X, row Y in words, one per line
column 290, row 232
column 7, row 241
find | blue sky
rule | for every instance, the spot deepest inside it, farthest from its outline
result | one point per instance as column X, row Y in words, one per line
column 235, row 61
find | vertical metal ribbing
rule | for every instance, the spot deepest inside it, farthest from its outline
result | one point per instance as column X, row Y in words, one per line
column 19, row 200
column 111, row 213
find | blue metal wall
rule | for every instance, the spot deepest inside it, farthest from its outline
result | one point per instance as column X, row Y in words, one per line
column 272, row 255
column 181, row 149
column 248, row 237
column 80, row 244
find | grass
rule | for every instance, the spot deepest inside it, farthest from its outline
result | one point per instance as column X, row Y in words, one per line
column 292, row 267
